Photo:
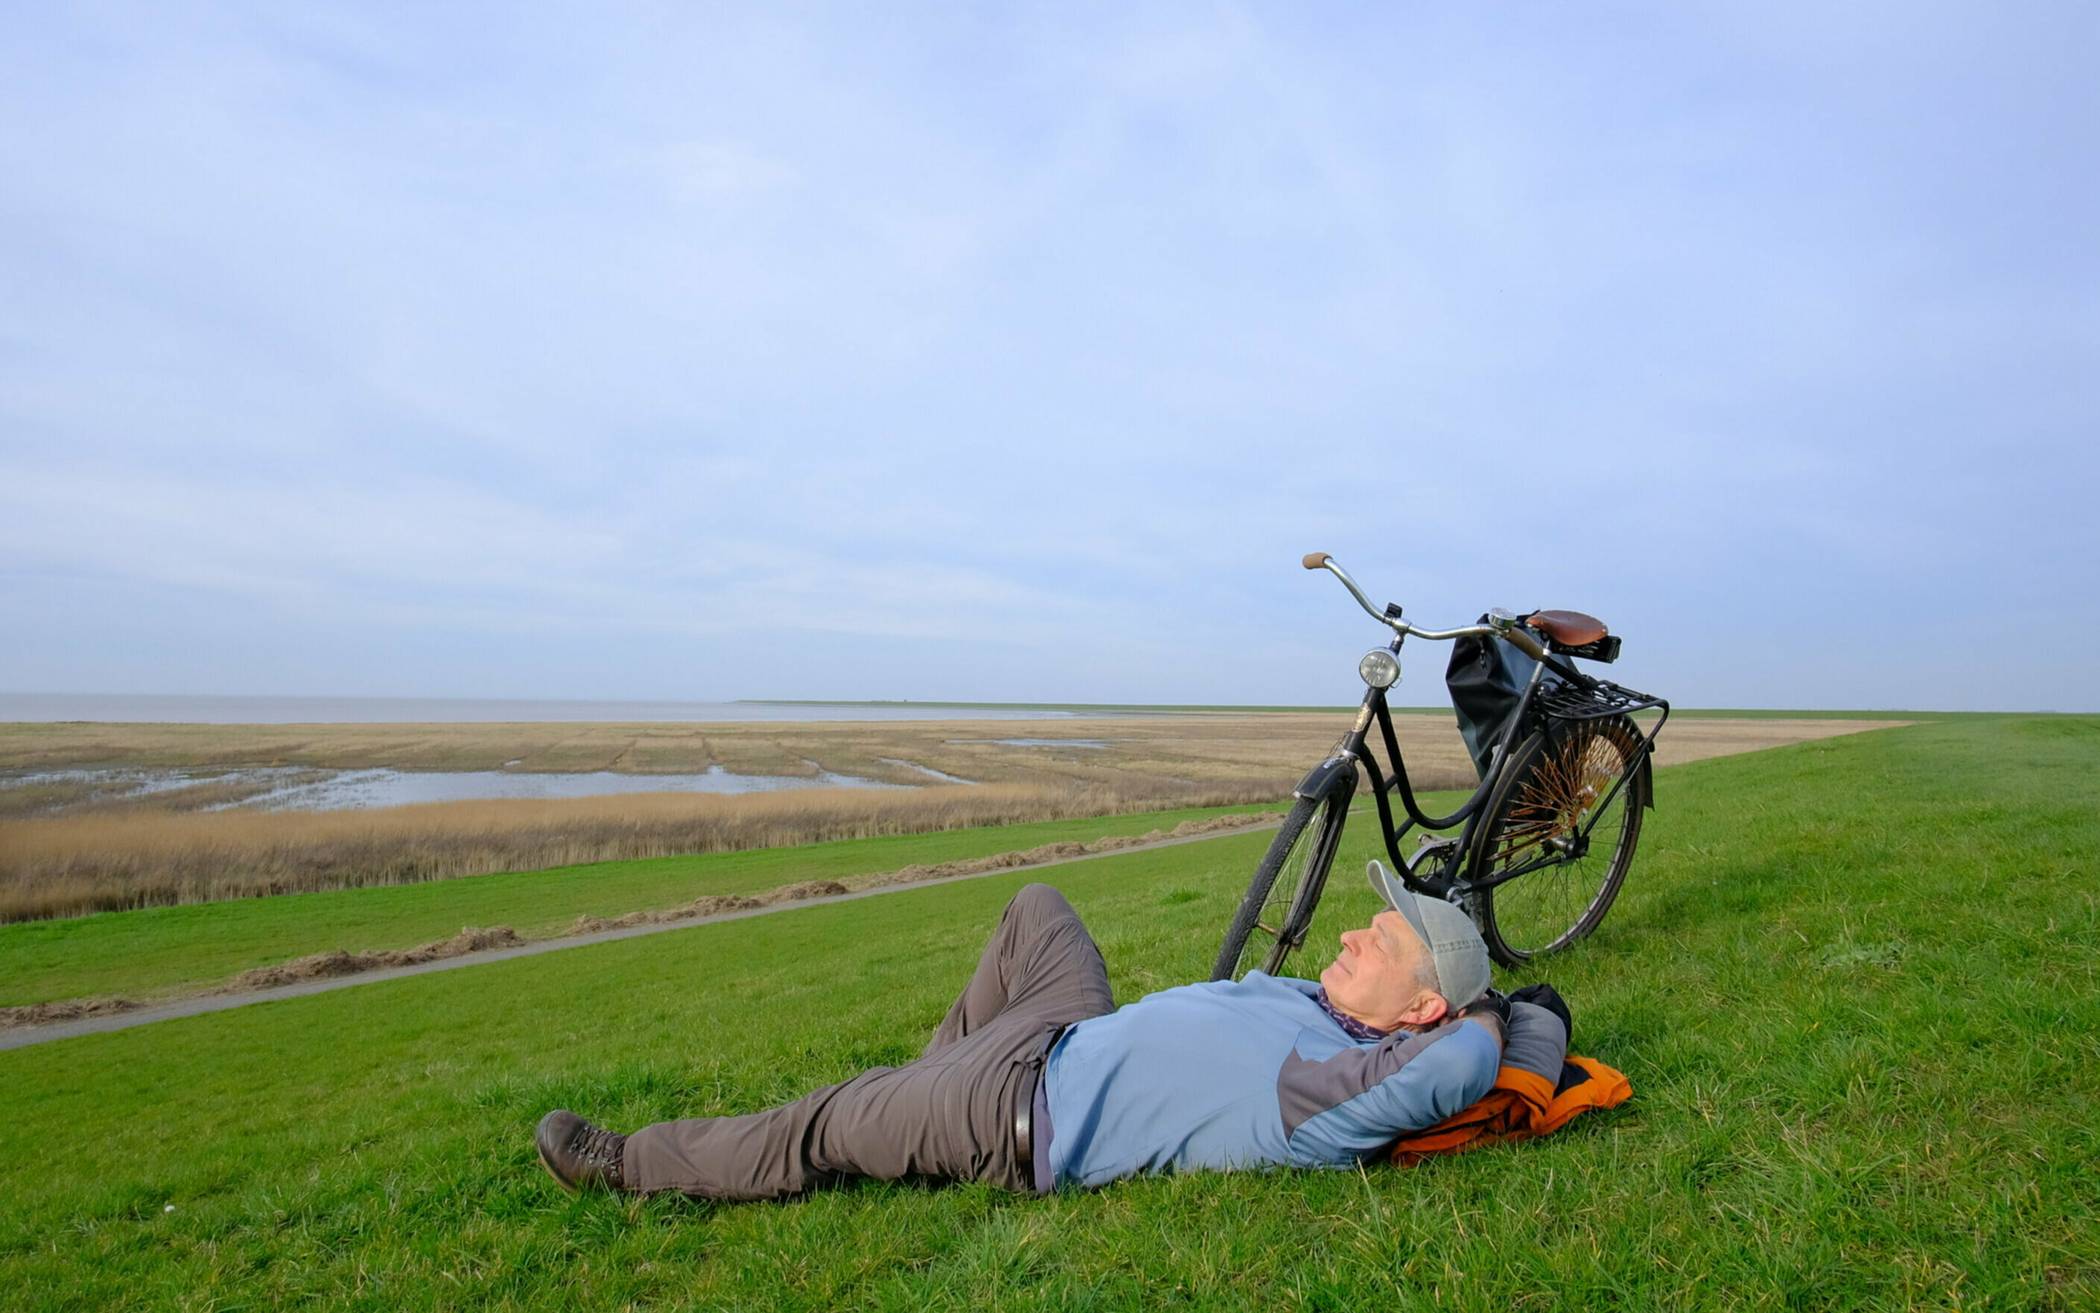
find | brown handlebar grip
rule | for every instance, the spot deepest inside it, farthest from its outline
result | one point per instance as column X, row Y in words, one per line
column 1315, row 561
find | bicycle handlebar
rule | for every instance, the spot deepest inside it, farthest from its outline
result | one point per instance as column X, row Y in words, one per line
column 1500, row 624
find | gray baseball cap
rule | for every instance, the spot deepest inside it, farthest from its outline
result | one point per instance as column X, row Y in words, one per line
column 1456, row 950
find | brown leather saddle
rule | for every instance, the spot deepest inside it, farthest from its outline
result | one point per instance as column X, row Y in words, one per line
column 1568, row 628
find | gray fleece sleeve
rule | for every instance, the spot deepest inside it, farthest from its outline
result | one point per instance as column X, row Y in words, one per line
column 1365, row 1097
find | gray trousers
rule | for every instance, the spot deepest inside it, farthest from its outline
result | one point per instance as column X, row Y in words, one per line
column 948, row 1114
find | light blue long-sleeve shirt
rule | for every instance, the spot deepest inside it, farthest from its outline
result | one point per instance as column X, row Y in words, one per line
column 1247, row 1073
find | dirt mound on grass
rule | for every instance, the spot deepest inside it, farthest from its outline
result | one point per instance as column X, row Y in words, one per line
column 717, row 904
column 338, row 962
column 1055, row 852
column 710, row 905
column 45, row 1014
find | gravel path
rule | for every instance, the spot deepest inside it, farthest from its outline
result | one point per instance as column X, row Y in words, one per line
column 23, row 1036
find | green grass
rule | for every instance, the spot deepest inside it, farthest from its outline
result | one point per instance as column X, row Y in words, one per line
column 155, row 950
column 1853, row 983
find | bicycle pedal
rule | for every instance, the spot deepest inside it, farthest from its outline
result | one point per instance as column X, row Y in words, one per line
column 1430, row 851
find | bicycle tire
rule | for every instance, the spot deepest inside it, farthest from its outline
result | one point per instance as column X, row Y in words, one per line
column 1308, row 838
column 1542, row 797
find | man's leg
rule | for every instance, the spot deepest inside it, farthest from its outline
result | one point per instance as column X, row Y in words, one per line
column 948, row 1114
column 1040, row 961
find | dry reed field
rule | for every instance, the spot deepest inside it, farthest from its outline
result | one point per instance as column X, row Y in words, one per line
column 69, row 856
column 63, row 866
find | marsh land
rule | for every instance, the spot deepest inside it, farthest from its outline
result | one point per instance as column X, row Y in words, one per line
column 109, row 816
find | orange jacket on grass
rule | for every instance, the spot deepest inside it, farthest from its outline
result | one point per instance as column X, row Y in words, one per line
column 1538, row 1090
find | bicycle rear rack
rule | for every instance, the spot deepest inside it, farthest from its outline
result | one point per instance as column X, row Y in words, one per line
column 1594, row 699
column 1586, row 698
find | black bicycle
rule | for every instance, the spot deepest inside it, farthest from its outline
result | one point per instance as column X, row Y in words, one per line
column 1540, row 848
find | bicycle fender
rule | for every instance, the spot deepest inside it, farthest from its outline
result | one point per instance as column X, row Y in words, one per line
column 1321, row 779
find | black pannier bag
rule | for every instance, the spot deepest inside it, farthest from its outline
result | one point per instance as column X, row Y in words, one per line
column 1486, row 678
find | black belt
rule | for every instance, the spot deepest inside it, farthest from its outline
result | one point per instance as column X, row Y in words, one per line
column 1024, row 1104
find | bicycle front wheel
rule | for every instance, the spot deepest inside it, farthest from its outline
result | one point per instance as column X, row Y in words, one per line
column 1550, row 814
column 1285, row 889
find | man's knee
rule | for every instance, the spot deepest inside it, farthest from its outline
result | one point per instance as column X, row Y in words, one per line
column 1039, row 901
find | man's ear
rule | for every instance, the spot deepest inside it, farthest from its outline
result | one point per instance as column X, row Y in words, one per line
column 1428, row 1009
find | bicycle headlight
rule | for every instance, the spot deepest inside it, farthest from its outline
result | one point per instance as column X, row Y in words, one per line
column 1380, row 668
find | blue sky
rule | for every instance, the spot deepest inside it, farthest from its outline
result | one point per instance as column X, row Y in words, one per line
column 1019, row 352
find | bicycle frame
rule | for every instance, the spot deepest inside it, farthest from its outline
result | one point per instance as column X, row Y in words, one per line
column 1351, row 754
column 1445, row 880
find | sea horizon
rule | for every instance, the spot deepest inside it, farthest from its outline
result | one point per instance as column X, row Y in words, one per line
column 323, row 709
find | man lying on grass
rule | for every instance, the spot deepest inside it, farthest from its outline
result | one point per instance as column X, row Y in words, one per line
column 1036, row 1079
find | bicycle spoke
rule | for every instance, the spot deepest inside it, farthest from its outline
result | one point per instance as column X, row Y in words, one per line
column 1293, row 866
column 1560, row 803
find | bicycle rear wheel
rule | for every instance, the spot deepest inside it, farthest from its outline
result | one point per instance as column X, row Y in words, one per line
column 1547, row 804
column 1285, row 889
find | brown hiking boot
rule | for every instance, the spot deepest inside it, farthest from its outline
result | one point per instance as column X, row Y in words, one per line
column 578, row 1154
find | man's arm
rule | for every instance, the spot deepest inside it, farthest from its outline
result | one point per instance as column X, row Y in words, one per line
column 1366, row 1097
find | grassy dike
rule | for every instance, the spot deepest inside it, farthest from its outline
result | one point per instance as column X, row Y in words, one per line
column 158, row 950
column 1853, row 982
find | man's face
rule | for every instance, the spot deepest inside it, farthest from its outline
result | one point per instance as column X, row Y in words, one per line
column 1380, row 976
